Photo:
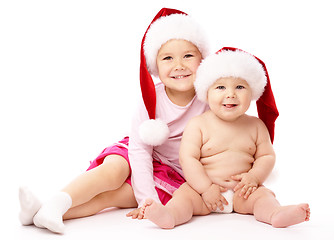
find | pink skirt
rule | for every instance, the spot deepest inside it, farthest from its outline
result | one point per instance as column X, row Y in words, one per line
column 166, row 179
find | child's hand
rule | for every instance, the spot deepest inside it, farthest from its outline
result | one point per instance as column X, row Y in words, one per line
column 248, row 184
column 137, row 213
column 213, row 198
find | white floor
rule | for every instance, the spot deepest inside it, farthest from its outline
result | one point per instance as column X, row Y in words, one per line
column 215, row 226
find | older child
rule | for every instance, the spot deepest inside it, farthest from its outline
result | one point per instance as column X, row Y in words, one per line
column 225, row 154
column 172, row 48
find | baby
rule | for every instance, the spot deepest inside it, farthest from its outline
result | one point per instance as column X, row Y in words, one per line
column 225, row 154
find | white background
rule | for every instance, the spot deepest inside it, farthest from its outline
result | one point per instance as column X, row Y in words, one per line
column 69, row 80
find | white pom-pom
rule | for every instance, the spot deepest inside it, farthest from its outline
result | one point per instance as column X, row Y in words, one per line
column 153, row 132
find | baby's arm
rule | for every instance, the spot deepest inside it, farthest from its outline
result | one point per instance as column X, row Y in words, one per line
column 264, row 156
column 263, row 164
column 190, row 153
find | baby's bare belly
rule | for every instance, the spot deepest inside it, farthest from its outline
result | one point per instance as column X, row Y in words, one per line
column 220, row 167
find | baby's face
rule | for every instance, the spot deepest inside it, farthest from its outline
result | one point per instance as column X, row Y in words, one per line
column 229, row 98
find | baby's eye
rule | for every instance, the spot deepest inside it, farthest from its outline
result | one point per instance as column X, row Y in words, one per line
column 240, row 87
column 221, row 87
column 167, row 58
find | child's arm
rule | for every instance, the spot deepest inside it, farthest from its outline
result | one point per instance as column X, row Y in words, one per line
column 190, row 153
column 140, row 157
column 263, row 164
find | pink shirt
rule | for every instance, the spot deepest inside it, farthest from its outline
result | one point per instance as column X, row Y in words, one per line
column 141, row 155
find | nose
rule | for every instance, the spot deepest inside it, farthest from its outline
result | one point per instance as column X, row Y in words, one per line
column 179, row 65
column 230, row 93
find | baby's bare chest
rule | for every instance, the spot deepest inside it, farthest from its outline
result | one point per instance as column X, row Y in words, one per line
column 217, row 141
column 223, row 157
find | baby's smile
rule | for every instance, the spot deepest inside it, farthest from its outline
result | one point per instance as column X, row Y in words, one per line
column 230, row 105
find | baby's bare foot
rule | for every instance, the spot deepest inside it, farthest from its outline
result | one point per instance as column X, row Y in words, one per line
column 290, row 215
column 158, row 214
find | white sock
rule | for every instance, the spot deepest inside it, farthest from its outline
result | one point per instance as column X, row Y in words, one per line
column 50, row 215
column 29, row 206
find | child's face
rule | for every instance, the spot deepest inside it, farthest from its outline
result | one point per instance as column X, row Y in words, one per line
column 177, row 63
column 229, row 98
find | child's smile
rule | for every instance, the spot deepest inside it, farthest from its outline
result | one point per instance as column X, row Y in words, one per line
column 181, row 76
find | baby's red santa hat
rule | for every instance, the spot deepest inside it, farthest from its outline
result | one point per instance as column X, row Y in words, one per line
column 167, row 24
column 233, row 62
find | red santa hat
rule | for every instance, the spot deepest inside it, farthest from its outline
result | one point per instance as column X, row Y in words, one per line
column 233, row 62
column 167, row 24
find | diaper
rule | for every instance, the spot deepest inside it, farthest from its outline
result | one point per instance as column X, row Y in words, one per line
column 228, row 195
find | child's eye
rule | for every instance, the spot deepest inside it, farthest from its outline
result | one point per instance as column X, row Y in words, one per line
column 167, row 58
column 221, row 87
column 188, row 56
column 240, row 87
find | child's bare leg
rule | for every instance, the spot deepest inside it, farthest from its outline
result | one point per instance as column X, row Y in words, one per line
column 122, row 197
column 265, row 208
column 185, row 203
column 108, row 176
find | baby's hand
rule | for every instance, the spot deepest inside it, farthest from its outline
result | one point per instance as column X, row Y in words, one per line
column 248, row 184
column 213, row 198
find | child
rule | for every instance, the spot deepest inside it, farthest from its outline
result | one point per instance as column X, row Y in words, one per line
column 172, row 48
column 225, row 154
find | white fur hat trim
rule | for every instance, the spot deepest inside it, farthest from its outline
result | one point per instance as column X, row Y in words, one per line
column 175, row 26
column 154, row 132
column 230, row 64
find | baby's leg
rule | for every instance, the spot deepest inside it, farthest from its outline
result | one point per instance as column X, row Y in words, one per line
column 265, row 208
column 290, row 215
column 185, row 203
column 108, row 176
column 158, row 214
column 30, row 205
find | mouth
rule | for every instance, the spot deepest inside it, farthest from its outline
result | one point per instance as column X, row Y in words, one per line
column 230, row 105
column 180, row 76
